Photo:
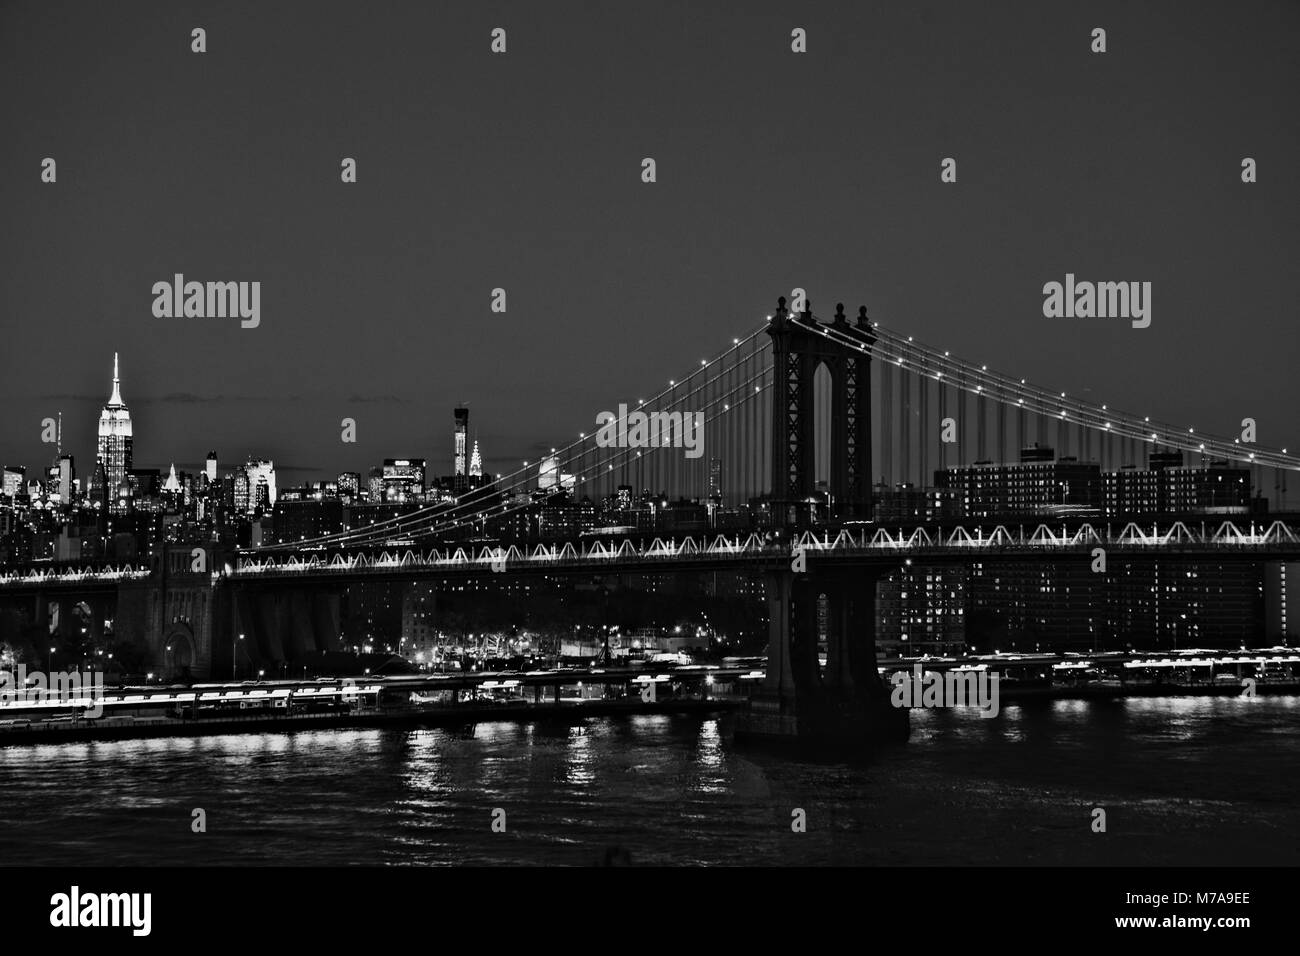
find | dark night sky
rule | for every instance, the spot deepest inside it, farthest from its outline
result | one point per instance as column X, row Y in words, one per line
column 523, row 171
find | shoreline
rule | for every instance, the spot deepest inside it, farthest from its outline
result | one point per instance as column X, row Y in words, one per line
column 152, row 727
column 145, row 727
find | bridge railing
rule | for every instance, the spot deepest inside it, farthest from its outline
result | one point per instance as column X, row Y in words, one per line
column 952, row 541
column 56, row 575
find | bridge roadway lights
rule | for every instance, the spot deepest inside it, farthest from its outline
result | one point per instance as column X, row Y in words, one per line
column 847, row 708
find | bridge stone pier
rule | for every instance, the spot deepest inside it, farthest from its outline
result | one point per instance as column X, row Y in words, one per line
column 188, row 618
column 843, row 705
column 174, row 616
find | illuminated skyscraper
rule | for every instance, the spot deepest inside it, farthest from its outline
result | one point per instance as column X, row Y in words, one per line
column 551, row 479
column 67, row 477
column 113, row 449
column 475, row 463
column 349, row 483
column 242, row 500
column 462, row 430
column 548, row 474
column 403, row 478
column 15, row 478
column 261, row 484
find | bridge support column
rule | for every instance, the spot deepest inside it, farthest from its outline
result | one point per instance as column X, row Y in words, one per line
column 41, row 614
column 848, row 706
column 840, row 622
column 66, row 635
column 779, row 682
column 325, row 611
column 96, row 624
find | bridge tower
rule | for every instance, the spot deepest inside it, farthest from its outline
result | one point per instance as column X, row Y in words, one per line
column 798, row 351
column 844, row 703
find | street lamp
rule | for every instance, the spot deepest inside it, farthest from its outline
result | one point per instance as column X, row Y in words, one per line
column 49, row 662
column 234, row 659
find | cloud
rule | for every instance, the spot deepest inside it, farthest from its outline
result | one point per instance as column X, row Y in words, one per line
column 183, row 398
column 171, row 398
column 356, row 399
column 192, row 398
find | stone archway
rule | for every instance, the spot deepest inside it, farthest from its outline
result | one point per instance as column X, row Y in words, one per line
column 179, row 653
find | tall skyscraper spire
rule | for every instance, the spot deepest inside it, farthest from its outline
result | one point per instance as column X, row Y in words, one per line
column 475, row 462
column 116, row 397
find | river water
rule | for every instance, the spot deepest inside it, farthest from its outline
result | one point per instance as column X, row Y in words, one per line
column 1182, row 780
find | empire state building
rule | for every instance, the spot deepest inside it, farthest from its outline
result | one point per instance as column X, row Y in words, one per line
column 113, row 451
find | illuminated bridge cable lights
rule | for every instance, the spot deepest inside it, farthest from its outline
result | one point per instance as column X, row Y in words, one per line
column 439, row 519
column 715, row 409
column 924, row 360
column 515, row 482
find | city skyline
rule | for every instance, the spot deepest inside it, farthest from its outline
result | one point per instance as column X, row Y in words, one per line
column 324, row 473
column 458, row 460
column 377, row 295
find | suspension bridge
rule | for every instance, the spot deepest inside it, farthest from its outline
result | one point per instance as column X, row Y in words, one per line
column 806, row 423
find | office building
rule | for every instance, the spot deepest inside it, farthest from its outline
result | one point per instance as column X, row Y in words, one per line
column 114, row 446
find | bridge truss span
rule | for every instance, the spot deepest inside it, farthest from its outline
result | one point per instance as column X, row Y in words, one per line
column 958, row 543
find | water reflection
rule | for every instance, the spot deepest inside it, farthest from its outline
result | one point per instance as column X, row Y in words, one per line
column 580, row 763
column 676, row 790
